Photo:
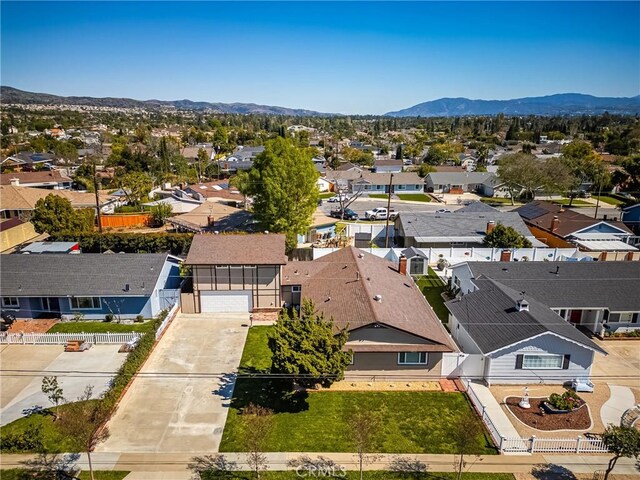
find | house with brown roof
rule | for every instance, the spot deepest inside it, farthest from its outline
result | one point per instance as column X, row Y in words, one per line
column 49, row 179
column 562, row 227
column 235, row 273
column 392, row 329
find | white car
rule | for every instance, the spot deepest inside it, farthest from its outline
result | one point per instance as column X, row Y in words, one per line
column 338, row 198
column 443, row 210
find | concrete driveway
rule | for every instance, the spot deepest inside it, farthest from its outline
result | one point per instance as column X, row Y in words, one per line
column 179, row 402
column 621, row 366
column 23, row 367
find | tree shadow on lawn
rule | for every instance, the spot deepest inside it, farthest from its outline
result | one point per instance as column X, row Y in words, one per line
column 276, row 394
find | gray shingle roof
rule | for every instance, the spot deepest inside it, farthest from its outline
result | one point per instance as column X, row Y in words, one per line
column 466, row 224
column 85, row 274
column 477, row 207
column 613, row 285
column 490, row 317
column 463, row 178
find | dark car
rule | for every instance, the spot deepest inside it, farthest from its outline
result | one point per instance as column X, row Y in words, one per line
column 348, row 214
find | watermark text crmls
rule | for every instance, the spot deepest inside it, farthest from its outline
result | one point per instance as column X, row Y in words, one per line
column 311, row 471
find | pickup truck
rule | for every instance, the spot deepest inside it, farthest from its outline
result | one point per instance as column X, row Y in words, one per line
column 379, row 213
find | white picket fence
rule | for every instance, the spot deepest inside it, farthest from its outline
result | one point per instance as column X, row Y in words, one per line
column 63, row 338
column 534, row 444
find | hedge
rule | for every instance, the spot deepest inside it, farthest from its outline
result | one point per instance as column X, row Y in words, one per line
column 94, row 242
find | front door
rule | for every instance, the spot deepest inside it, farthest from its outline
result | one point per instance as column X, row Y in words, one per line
column 575, row 317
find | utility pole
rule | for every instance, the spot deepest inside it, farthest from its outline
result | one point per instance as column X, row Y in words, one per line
column 595, row 215
column 386, row 228
column 95, row 188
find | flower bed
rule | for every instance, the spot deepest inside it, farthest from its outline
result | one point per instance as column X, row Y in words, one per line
column 536, row 417
column 565, row 403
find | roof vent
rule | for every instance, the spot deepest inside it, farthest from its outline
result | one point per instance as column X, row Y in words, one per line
column 126, row 287
column 522, row 305
column 361, row 255
column 378, row 298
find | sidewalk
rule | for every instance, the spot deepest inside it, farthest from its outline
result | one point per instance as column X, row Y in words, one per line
column 494, row 411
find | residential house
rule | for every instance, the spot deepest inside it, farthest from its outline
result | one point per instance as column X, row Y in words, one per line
column 235, row 273
column 26, row 161
column 631, row 218
column 589, row 295
column 406, row 182
column 244, row 154
column 509, row 337
column 93, row 285
column 15, row 232
column 21, row 201
column 216, row 191
column 482, row 183
column 213, row 217
column 463, row 228
column 51, row 247
column 392, row 329
column 388, row 166
column 48, row 179
column 191, row 153
column 564, row 227
column 350, row 167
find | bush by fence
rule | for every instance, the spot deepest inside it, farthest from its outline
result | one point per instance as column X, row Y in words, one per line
column 93, row 242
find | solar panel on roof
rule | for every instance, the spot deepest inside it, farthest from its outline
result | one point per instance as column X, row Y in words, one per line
column 530, row 211
column 224, row 185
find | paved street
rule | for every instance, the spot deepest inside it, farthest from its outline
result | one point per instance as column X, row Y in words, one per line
column 180, row 400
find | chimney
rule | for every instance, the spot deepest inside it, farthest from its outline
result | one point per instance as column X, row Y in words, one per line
column 505, row 256
column 522, row 305
column 554, row 223
column 604, row 217
column 490, row 226
column 210, row 220
column 402, row 265
column 15, row 182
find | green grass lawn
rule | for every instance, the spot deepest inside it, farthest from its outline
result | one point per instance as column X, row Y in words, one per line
column 415, row 422
column 431, row 287
column 609, row 200
column 325, row 195
column 100, row 327
column 576, row 202
column 498, row 200
column 370, row 475
column 23, row 474
column 378, row 195
column 414, row 197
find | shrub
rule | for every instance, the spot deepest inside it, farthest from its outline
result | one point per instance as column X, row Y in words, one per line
column 139, row 319
column 93, row 242
column 78, row 317
column 569, row 400
column 109, row 317
column 28, row 440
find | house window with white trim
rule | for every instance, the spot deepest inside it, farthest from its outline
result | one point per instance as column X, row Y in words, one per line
column 412, row 358
column 295, row 288
column 10, row 302
column 85, row 303
column 543, row 361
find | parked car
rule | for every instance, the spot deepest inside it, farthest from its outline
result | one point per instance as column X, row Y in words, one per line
column 379, row 213
column 337, row 198
column 348, row 214
column 443, row 210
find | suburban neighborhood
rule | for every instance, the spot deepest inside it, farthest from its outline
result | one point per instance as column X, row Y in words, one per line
column 198, row 289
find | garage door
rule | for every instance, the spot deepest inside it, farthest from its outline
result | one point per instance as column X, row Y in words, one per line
column 211, row 302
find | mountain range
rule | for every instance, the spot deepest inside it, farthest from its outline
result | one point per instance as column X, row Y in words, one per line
column 559, row 104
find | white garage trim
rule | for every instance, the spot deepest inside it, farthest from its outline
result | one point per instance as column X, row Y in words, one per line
column 226, row 301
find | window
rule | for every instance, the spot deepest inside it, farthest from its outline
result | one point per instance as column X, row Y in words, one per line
column 10, row 302
column 621, row 317
column 401, row 187
column 295, row 288
column 416, row 266
column 412, row 358
column 85, row 303
column 543, row 361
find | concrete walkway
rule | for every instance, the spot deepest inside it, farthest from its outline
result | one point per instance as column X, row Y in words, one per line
column 621, row 399
column 492, row 408
column 173, row 466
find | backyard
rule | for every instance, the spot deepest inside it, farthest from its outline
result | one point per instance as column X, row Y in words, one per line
column 432, row 287
column 315, row 421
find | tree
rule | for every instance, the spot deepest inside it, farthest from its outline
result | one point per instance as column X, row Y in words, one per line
column 364, row 428
column 506, row 237
column 584, row 163
column 425, row 169
column 258, row 422
column 136, row 186
column 440, row 153
column 160, row 213
column 283, row 185
column 84, row 422
column 212, row 170
column 466, row 432
column 622, row 442
column 359, row 157
column 482, row 153
column 54, row 214
column 53, row 392
column 304, row 345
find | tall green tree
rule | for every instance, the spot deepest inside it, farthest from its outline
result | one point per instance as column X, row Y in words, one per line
column 622, row 442
column 584, row 163
column 282, row 183
column 306, row 347
column 54, row 214
column 136, row 186
column 506, row 237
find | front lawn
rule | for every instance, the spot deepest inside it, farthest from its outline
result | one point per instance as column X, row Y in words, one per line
column 378, row 195
column 325, row 195
column 576, row 202
column 24, row 474
column 498, row 201
column 609, row 200
column 315, row 421
column 101, row 327
column 432, row 287
column 414, row 197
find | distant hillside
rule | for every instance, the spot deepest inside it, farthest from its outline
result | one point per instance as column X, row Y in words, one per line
column 13, row 95
column 560, row 104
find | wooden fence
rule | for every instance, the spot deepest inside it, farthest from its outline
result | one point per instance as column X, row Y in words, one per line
column 63, row 338
column 130, row 220
column 534, row 444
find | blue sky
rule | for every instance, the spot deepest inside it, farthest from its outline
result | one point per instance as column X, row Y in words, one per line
column 356, row 57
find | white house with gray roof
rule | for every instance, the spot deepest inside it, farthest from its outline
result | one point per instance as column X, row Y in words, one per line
column 511, row 338
column 483, row 183
column 595, row 296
